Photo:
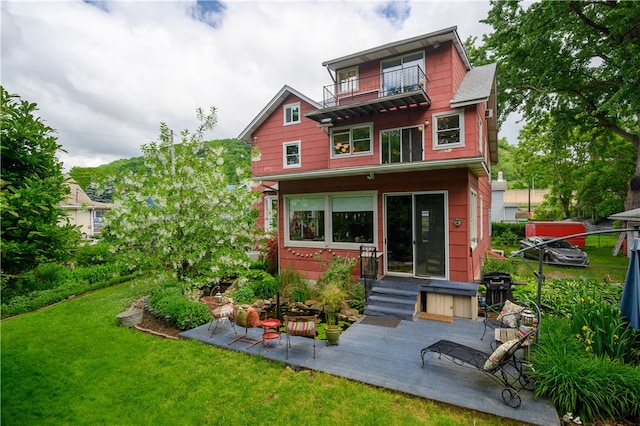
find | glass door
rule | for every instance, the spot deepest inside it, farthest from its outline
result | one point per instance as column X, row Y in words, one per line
column 430, row 235
column 416, row 242
column 399, row 231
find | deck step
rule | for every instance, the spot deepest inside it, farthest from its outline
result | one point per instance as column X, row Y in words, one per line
column 395, row 298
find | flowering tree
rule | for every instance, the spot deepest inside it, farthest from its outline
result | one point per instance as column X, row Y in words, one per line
column 182, row 215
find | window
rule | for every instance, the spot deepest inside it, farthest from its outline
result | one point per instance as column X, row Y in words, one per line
column 292, row 114
column 354, row 140
column 306, row 219
column 291, row 154
column 401, row 145
column 473, row 218
column 448, row 130
column 348, row 81
column 344, row 220
column 352, row 219
column 271, row 214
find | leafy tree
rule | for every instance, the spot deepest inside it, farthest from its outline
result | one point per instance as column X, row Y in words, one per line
column 183, row 215
column 577, row 61
column 33, row 188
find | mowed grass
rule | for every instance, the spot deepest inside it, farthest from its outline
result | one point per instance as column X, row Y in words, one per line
column 603, row 266
column 72, row 364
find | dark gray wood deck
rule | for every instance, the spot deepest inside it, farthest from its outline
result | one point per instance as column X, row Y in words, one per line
column 389, row 357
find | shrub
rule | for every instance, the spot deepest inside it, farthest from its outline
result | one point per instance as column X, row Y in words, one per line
column 169, row 303
column 243, row 294
column 45, row 276
column 339, row 271
column 91, row 255
column 492, row 264
column 507, row 233
column 293, row 285
column 574, row 380
column 96, row 273
column 264, row 285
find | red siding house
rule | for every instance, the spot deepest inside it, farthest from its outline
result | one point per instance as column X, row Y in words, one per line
column 396, row 156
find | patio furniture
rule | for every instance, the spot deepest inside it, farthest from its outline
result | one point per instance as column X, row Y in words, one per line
column 304, row 326
column 502, row 365
column 271, row 330
column 247, row 318
column 219, row 312
column 498, row 293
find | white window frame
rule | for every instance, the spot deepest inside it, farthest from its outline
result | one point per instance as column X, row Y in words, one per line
column 328, row 229
column 270, row 213
column 351, row 83
column 481, row 218
column 288, row 112
column 481, row 120
column 461, row 142
column 349, row 130
column 285, row 163
column 473, row 218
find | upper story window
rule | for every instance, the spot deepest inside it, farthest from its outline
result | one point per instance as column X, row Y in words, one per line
column 348, row 80
column 352, row 141
column 292, row 114
column 403, row 74
column 401, row 145
column 291, row 155
column 448, row 130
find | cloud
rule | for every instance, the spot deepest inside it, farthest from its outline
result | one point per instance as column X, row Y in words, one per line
column 106, row 74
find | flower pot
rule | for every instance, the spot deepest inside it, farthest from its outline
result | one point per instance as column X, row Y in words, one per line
column 333, row 334
column 130, row 317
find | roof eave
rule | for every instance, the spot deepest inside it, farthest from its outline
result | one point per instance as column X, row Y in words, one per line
column 477, row 165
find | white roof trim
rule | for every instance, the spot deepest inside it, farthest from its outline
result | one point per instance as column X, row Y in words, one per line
column 273, row 104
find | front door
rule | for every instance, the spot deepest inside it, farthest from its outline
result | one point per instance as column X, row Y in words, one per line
column 416, row 237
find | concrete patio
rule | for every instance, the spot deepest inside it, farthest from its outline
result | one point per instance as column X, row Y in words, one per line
column 376, row 352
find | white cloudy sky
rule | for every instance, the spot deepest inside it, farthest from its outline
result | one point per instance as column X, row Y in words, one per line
column 106, row 74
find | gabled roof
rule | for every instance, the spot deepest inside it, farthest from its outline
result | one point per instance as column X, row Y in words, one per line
column 475, row 87
column 400, row 47
column 479, row 86
column 271, row 107
column 78, row 198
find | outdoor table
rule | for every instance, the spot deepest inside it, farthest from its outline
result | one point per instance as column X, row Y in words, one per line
column 271, row 327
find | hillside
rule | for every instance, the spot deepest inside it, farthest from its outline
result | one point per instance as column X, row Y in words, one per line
column 99, row 182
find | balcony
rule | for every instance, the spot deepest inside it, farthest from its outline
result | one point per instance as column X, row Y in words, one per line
column 360, row 97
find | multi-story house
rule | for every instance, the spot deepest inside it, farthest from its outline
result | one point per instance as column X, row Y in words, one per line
column 396, row 156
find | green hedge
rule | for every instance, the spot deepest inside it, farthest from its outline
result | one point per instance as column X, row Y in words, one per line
column 507, row 234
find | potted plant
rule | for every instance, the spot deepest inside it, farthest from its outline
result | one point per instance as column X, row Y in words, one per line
column 330, row 296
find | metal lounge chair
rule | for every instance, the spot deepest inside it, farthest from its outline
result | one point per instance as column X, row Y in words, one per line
column 502, row 365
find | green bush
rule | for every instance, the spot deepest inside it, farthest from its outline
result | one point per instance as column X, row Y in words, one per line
column 492, row 264
column 243, row 294
column 507, row 234
column 263, row 284
column 93, row 254
column 97, row 273
column 293, row 285
column 578, row 382
column 170, row 304
column 48, row 275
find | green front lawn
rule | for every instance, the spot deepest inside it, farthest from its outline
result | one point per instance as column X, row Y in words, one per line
column 72, row 364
